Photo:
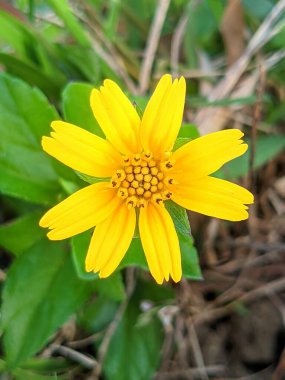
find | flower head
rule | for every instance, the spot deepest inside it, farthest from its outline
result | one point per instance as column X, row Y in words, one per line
column 141, row 172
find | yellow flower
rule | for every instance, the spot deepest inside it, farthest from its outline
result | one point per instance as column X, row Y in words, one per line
column 141, row 173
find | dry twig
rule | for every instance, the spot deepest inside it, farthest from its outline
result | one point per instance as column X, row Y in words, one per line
column 192, row 373
column 197, row 350
column 212, row 314
column 74, row 355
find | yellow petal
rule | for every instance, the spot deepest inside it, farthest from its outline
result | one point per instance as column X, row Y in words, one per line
column 163, row 115
column 80, row 211
column 214, row 197
column 207, row 154
column 81, row 150
column 110, row 241
column 160, row 243
column 117, row 117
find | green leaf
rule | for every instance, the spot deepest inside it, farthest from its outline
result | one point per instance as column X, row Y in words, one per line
column 64, row 12
column 180, row 141
column 87, row 178
column 97, row 314
column 134, row 350
column 138, row 109
column 189, row 256
column 40, row 293
column 111, row 287
column 148, row 290
column 21, row 233
column 189, row 131
column 202, row 23
column 76, row 107
column 140, row 102
column 88, row 68
column 25, row 116
column 31, row 75
column 179, row 217
column 111, row 23
column 30, row 46
column 14, row 33
column 80, row 244
column 260, row 11
column 267, row 147
column 46, row 365
column 23, row 374
column 42, row 369
column 204, row 102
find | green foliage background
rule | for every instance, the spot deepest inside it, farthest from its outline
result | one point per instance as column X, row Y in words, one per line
column 49, row 64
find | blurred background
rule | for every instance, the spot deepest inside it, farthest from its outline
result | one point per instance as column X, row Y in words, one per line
column 58, row 324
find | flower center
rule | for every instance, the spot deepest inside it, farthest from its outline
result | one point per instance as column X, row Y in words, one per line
column 142, row 179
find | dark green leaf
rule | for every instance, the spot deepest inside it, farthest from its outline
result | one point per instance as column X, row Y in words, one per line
column 88, row 68
column 25, row 116
column 134, row 350
column 41, row 292
column 97, row 314
column 80, row 244
column 30, row 74
column 111, row 287
column 21, row 233
column 148, row 290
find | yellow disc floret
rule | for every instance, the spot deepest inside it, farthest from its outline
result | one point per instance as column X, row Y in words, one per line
column 143, row 179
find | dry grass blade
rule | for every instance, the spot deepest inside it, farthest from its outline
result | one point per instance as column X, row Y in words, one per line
column 152, row 44
column 205, row 117
column 110, row 57
column 232, row 29
column 176, row 42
